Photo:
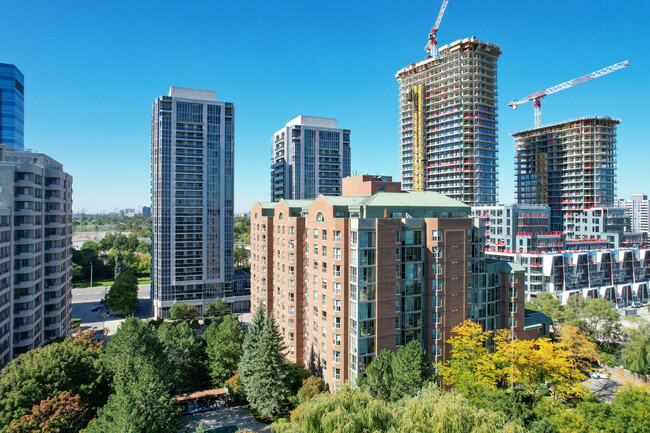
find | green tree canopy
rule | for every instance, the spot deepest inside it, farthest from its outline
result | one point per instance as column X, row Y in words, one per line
column 410, row 369
column 264, row 370
column 186, row 353
column 73, row 366
column 141, row 403
column 379, row 375
column 216, row 308
column 224, row 349
column 636, row 353
column 183, row 311
column 123, row 294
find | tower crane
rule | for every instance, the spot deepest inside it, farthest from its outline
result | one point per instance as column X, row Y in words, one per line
column 432, row 46
column 538, row 96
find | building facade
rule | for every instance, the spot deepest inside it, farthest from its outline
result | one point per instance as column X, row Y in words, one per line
column 310, row 156
column 35, row 251
column 448, row 118
column 349, row 276
column 597, row 257
column 637, row 210
column 567, row 166
column 192, row 145
column 12, row 106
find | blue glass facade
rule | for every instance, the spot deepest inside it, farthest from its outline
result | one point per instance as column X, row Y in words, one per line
column 12, row 106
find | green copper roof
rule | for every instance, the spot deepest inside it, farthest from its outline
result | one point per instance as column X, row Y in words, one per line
column 534, row 319
column 415, row 199
column 504, row 266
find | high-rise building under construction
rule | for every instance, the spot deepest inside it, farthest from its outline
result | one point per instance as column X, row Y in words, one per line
column 448, row 117
column 567, row 166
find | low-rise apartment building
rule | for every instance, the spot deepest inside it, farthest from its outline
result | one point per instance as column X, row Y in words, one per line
column 596, row 257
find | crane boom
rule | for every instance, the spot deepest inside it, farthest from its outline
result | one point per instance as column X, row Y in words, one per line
column 432, row 46
column 538, row 96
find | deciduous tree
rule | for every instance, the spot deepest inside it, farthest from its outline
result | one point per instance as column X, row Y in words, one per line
column 224, row 349
column 73, row 366
column 61, row 414
column 183, row 311
column 123, row 294
column 187, row 356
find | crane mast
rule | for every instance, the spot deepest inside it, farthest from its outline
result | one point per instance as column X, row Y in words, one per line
column 538, row 96
column 432, row 46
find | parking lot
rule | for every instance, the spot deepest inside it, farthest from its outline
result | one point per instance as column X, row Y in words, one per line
column 85, row 299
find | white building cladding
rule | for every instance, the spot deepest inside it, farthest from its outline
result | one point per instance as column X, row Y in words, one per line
column 619, row 275
column 637, row 209
column 310, row 156
column 35, row 251
column 192, row 160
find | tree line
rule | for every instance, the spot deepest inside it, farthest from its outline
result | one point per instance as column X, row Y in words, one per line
column 103, row 256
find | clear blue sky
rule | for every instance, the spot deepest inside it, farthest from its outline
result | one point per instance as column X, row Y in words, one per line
column 93, row 68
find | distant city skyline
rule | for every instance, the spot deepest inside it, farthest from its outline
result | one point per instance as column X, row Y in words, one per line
column 88, row 97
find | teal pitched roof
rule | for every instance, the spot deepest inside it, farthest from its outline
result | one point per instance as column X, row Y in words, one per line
column 534, row 319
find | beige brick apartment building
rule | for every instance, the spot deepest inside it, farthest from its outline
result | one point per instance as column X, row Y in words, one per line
column 349, row 276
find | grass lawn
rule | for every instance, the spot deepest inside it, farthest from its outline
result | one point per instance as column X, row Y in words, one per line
column 107, row 283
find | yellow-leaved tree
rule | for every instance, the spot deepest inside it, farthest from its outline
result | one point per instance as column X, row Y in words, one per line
column 561, row 365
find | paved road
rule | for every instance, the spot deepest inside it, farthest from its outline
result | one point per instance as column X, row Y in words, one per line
column 604, row 389
column 84, row 299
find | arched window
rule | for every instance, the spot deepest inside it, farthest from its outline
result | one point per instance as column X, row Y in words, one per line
column 319, row 217
column 255, row 215
column 281, row 216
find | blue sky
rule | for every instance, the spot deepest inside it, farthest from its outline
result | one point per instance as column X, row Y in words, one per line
column 93, row 68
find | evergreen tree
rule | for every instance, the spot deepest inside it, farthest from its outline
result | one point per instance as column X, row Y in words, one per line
column 249, row 348
column 264, row 368
column 379, row 375
column 410, row 370
column 119, row 264
column 224, row 349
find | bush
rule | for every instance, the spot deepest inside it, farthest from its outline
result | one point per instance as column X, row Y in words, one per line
column 183, row 311
column 235, row 389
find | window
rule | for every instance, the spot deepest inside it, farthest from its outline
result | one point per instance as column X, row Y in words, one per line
column 436, row 285
column 512, row 307
column 281, row 218
column 315, row 265
column 291, row 311
column 316, row 312
column 398, row 271
column 337, row 339
column 436, row 252
column 436, row 318
column 315, row 327
column 291, row 271
column 291, row 337
column 397, row 306
column 436, row 301
column 436, row 350
column 512, row 292
column 324, row 250
column 315, row 250
column 323, row 316
column 290, row 323
column 291, row 231
column 437, row 269
column 316, row 234
column 324, row 335
column 323, row 284
column 337, row 305
column 337, row 270
column 337, row 253
column 319, row 217
column 436, row 236
column 337, row 288
column 323, row 300
column 337, row 323
column 337, row 373
column 324, row 234
column 337, row 356
column 435, row 334
column 512, row 322
column 337, row 236
column 398, row 254
column 315, row 296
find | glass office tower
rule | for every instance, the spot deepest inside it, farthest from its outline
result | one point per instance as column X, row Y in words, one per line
column 12, row 106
